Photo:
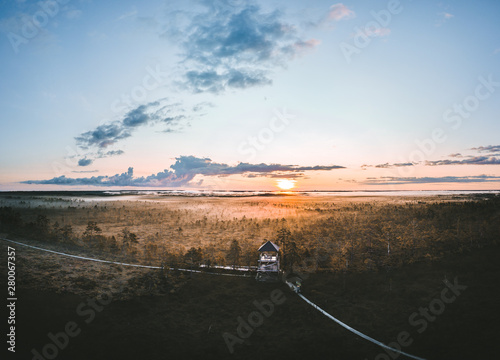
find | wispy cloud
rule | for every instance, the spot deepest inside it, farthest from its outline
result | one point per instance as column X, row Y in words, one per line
column 444, row 17
column 389, row 180
column 84, row 171
column 202, row 106
column 108, row 134
column 103, row 136
column 340, row 12
column 475, row 160
column 487, row 149
column 184, row 170
column 379, row 32
column 216, row 82
column 387, row 165
column 484, row 155
column 113, row 153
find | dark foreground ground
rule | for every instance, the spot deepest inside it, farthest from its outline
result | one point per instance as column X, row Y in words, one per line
column 189, row 323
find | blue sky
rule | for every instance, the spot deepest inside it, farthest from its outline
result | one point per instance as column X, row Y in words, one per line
column 240, row 94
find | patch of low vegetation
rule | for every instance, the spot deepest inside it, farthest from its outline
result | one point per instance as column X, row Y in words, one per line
column 84, row 283
column 330, row 235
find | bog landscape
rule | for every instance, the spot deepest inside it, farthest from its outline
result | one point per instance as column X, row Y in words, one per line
column 250, row 179
column 414, row 272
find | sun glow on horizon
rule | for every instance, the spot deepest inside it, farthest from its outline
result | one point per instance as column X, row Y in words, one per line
column 285, row 184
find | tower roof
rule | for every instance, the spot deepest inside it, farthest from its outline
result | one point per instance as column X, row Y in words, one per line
column 269, row 246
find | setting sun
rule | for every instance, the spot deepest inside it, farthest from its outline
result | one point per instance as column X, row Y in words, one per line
column 286, row 184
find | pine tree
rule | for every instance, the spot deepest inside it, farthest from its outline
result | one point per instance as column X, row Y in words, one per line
column 234, row 253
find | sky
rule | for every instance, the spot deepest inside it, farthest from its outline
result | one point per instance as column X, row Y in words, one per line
column 230, row 95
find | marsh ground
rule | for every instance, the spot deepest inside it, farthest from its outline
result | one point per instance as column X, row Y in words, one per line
column 158, row 315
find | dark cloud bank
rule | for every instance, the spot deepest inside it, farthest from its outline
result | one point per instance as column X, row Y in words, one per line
column 183, row 172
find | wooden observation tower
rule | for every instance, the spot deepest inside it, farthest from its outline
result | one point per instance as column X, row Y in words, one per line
column 269, row 262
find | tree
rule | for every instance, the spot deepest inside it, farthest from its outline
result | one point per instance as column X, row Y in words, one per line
column 129, row 241
column 283, row 239
column 9, row 219
column 193, row 256
column 113, row 244
column 66, row 233
column 150, row 249
column 91, row 232
column 42, row 225
column 234, row 253
column 292, row 255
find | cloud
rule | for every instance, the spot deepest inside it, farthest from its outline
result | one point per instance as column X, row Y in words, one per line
column 233, row 45
column 84, row 162
column 202, row 106
column 474, row 160
column 112, row 153
column 109, row 134
column 84, row 171
column 485, row 155
column 205, row 166
column 443, row 17
column 300, row 47
column 224, row 45
column 389, row 180
column 487, row 149
column 387, row 165
column 216, row 82
column 91, row 156
column 184, row 170
column 379, row 32
column 340, row 12
column 138, row 116
column 491, row 157
column 103, row 136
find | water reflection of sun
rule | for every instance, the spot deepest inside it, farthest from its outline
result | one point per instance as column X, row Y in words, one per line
column 285, row 184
